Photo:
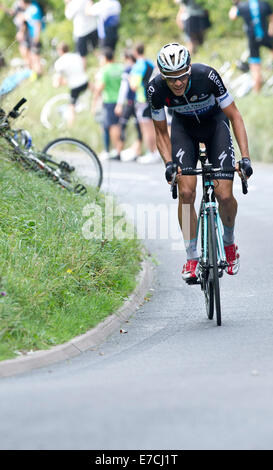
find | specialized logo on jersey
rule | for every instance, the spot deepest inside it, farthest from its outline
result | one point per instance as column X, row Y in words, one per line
column 216, row 79
column 194, row 98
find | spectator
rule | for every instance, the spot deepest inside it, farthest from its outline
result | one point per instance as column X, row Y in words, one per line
column 193, row 20
column 84, row 28
column 108, row 85
column 255, row 14
column 125, row 108
column 70, row 70
column 22, row 36
column 139, row 77
column 108, row 14
column 33, row 16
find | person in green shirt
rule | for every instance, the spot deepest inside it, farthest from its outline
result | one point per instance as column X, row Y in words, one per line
column 107, row 88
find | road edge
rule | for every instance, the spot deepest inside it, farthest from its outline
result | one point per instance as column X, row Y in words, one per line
column 92, row 339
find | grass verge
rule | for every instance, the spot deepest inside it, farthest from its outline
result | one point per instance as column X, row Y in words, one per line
column 54, row 283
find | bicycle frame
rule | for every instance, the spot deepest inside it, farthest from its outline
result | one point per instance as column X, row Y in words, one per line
column 208, row 201
column 212, row 261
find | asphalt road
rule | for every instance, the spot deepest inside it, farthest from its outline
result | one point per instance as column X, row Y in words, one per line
column 175, row 380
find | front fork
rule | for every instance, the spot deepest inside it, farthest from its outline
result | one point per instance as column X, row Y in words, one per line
column 203, row 222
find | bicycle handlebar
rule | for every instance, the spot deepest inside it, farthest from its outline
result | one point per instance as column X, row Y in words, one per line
column 14, row 112
column 204, row 170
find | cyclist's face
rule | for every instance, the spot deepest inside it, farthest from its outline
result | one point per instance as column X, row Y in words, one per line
column 178, row 83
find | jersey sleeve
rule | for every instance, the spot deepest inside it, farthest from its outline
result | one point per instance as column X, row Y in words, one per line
column 222, row 95
column 156, row 104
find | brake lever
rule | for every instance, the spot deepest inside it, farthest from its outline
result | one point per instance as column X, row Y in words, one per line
column 244, row 179
column 174, row 185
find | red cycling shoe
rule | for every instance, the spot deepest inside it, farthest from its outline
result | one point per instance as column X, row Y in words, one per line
column 233, row 259
column 190, row 270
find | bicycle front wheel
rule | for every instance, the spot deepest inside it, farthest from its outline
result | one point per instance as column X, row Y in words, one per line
column 54, row 112
column 214, row 273
column 84, row 165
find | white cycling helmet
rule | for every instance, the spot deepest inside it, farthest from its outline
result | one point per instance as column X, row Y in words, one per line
column 173, row 57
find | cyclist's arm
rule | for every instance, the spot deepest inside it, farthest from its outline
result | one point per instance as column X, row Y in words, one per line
column 238, row 127
column 163, row 141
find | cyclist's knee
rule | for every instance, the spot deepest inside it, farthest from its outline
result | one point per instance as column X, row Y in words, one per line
column 187, row 195
column 225, row 197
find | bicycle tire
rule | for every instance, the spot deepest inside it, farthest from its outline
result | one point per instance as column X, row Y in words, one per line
column 209, row 298
column 88, row 171
column 51, row 116
column 206, row 283
column 214, row 274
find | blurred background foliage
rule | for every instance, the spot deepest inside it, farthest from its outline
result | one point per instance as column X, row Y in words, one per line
column 140, row 19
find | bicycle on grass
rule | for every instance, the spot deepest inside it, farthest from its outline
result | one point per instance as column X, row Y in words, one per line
column 68, row 162
column 212, row 262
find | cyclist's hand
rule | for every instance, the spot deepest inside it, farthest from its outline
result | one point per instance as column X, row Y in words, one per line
column 171, row 168
column 245, row 164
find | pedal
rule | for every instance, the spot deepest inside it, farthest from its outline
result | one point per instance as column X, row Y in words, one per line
column 193, row 282
column 65, row 166
column 80, row 189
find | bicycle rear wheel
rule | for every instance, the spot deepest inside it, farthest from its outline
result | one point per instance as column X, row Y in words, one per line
column 214, row 274
column 84, row 165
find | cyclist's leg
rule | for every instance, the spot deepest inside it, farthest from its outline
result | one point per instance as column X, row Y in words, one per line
column 185, row 153
column 221, row 154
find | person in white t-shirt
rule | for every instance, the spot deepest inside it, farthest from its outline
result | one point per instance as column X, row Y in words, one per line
column 108, row 14
column 69, row 70
column 84, row 27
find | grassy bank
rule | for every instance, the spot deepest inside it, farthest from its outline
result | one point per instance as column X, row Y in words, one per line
column 54, row 283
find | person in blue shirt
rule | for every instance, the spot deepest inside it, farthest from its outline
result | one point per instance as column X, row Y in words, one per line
column 258, row 19
column 140, row 76
column 34, row 19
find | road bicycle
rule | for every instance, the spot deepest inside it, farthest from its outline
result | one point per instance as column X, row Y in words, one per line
column 66, row 161
column 212, row 261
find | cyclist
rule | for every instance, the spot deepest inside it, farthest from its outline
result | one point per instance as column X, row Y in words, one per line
column 255, row 14
column 202, row 108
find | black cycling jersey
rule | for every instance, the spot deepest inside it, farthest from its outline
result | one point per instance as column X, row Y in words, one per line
column 197, row 117
column 205, row 95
